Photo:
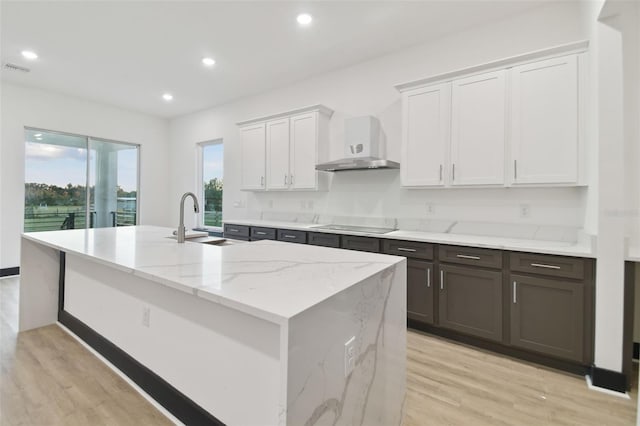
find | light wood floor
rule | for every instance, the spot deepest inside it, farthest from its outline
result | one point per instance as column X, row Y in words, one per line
column 48, row 378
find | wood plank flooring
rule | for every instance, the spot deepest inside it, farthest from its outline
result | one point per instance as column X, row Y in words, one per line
column 48, row 378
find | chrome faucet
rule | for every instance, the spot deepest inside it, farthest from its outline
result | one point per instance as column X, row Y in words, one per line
column 196, row 208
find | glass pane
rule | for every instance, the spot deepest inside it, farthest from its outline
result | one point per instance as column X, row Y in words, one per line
column 212, row 173
column 55, row 181
column 113, row 183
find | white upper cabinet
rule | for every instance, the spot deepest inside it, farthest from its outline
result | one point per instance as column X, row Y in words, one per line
column 426, row 120
column 280, row 152
column 512, row 122
column 544, row 123
column 252, row 141
column 303, row 152
column 478, row 129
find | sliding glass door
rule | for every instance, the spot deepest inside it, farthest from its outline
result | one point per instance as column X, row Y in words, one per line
column 60, row 167
column 113, row 183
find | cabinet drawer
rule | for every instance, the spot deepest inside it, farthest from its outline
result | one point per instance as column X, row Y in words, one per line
column 292, row 236
column 555, row 266
column 408, row 249
column 233, row 231
column 352, row 242
column 471, row 256
column 259, row 233
column 322, row 239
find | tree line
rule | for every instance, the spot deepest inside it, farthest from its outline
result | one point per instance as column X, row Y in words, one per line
column 38, row 194
column 213, row 195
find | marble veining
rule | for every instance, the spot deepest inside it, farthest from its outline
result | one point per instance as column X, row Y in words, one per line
column 270, row 279
column 327, row 398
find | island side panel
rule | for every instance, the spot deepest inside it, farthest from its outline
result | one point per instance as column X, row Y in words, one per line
column 39, row 274
column 318, row 393
column 224, row 360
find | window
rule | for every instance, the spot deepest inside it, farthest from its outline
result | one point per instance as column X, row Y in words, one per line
column 59, row 168
column 211, row 172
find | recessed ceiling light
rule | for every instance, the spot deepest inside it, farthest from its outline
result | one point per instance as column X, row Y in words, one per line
column 38, row 135
column 28, row 54
column 167, row 97
column 209, row 62
column 304, row 19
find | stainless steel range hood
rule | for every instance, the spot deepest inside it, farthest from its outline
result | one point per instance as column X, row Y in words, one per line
column 361, row 163
column 362, row 145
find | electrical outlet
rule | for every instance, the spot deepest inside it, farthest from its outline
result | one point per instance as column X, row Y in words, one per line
column 310, row 204
column 431, row 208
column 349, row 356
column 525, row 210
column 146, row 316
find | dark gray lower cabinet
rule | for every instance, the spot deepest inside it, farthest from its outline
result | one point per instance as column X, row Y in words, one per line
column 547, row 316
column 420, row 290
column 470, row 301
column 323, row 239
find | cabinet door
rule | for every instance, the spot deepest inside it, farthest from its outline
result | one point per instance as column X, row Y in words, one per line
column 278, row 154
column 420, row 290
column 304, row 136
column 470, row 301
column 544, row 123
column 478, row 129
column 547, row 316
column 425, row 135
column 252, row 140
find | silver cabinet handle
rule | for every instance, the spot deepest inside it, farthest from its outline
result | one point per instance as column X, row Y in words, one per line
column 542, row 265
column 441, row 279
column 406, row 249
column 466, row 256
column 288, row 236
column 515, row 294
column 515, row 169
column 261, row 233
column 453, row 171
column 290, row 179
column 428, row 277
column 261, row 180
column 285, row 180
column 233, row 230
column 440, row 172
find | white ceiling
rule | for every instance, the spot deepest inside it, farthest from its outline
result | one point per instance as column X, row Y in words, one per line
column 128, row 53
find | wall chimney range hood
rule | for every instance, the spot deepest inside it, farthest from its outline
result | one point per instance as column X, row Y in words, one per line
column 362, row 143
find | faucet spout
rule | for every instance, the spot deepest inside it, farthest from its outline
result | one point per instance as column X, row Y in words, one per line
column 196, row 208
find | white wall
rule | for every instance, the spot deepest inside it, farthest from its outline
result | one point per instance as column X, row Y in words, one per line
column 35, row 108
column 367, row 88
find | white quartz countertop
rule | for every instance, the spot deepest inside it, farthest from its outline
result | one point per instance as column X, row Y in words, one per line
column 502, row 243
column 268, row 279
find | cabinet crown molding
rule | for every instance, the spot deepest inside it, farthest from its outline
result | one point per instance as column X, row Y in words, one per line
column 322, row 109
column 564, row 49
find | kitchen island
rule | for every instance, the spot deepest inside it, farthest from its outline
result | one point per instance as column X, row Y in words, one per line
column 262, row 333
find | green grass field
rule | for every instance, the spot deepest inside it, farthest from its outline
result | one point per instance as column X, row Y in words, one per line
column 52, row 218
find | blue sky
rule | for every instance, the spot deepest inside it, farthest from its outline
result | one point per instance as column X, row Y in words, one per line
column 61, row 165
column 213, row 160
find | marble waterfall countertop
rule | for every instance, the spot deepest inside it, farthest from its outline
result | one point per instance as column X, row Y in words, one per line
column 271, row 280
column 561, row 248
